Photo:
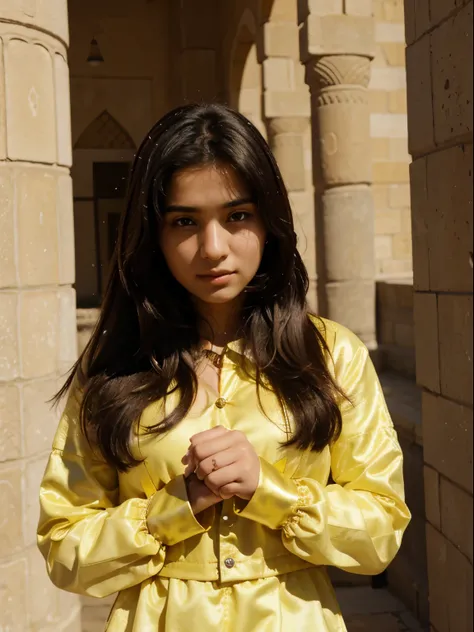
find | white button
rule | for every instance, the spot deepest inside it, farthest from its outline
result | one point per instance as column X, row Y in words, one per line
column 225, row 518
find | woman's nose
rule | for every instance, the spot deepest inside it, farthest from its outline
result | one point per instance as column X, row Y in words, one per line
column 214, row 242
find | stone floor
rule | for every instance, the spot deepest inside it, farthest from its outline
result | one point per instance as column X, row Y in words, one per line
column 364, row 609
column 368, row 610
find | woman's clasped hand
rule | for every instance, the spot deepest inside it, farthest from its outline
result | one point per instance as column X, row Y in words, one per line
column 220, row 463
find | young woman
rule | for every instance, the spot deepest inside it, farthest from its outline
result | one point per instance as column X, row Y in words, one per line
column 220, row 446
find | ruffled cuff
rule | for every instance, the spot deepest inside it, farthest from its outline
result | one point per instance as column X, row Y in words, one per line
column 170, row 518
column 277, row 500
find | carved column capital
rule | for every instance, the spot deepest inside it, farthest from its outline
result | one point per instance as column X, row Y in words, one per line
column 337, row 70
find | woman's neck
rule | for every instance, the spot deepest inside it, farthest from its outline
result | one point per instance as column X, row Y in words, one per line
column 219, row 323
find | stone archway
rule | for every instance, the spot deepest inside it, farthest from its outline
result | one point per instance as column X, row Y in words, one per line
column 101, row 158
column 245, row 87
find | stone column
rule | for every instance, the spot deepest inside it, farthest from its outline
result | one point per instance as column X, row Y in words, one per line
column 287, row 115
column 37, row 302
column 337, row 49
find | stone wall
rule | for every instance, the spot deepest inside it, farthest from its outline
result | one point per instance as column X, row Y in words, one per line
column 37, row 302
column 395, row 328
column 390, row 157
column 439, row 62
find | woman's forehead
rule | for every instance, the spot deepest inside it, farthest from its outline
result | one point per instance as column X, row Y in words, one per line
column 207, row 185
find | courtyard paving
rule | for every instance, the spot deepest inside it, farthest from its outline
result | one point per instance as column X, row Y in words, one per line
column 364, row 609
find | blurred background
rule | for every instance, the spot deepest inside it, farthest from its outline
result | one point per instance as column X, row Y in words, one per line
column 325, row 81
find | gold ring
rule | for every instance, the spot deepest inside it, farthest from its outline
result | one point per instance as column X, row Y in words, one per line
column 214, row 465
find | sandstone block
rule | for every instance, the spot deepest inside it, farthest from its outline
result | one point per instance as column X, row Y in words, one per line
column 390, row 31
column 37, row 227
column 280, row 10
column 39, row 327
column 39, row 416
column 457, row 516
column 420, row 100
column 9, row 360
column 399, row 196
column 398, row 150
column 404, row 335
column 278, row 74
column 432, row 497
column 348, row 229
column 397, row 102
column 455, row 346
column 285, row 104
column 380, row 196
column 63, row 111
column 30, row 98
column 358, row 7
column 65, row 215
column 33, row 476
column 394, row 53
column 393, row 11
column 318, row 7
column 10, row 427
column 337, row 35
column 42, row 596
column 417, row 19
column 440, row 9
column 7, row 229
column 447, row 439
column 352, row 303
column 51, row 16
column 67, row 348
column 387, row 222
column 390, row 172
column 383, row 246
column 427, row 340
column 450, row 578
column 388, row 79
column 388, row 125
column 14, row 594
column 379, row 149
column 3, row 126
column 402, row 246
column 452, row 76
column 289, row 153
column 378, row 101
column 11, row 525
column 420, row 222
column 450, row 219
column 280, row 39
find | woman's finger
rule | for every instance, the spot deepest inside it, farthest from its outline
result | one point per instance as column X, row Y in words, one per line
column 207, row 448
column 216, row 462
column 221, row 477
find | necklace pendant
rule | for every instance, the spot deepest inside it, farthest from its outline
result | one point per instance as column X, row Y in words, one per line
column 214, row 357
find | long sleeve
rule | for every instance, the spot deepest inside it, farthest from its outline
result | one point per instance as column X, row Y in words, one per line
column 93, row 543
column 356, row 523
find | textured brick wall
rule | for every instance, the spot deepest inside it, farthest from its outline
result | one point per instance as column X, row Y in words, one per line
column 395, row 328
column 37, row 302
column 389, row 142
column 439, row 60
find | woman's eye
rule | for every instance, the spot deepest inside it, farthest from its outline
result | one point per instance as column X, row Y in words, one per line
column 240, row 216
column 183, row 222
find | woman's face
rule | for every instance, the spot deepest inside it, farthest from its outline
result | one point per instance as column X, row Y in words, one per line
column 212, row 236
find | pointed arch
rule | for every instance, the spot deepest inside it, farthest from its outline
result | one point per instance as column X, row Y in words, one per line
column 105, row 132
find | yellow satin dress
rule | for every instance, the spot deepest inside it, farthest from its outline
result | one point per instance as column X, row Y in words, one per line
column 259, row 566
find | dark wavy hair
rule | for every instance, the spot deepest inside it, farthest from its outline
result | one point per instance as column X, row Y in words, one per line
column 145, row 339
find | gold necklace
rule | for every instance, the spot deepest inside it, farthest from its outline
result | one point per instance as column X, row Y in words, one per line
column 216, row 358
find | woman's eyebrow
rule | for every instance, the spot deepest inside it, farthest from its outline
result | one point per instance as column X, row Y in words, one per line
column 179, row 208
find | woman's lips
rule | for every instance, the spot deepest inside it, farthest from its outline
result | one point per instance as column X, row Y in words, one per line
column 213, row 279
